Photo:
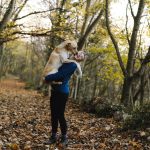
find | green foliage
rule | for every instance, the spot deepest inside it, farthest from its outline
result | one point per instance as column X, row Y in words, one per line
column 99, row 36
column 75, row 4
column 95, row 7
column 23, row 61
column 109, row 66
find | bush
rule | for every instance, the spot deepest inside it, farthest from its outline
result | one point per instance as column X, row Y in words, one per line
column 107, row 109
column 101, row 107
column 140, row 118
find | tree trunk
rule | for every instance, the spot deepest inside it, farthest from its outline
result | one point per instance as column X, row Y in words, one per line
column 128, row 86
column 142, row 90
column 127, row 96
column 1, row 51
column 7, row 15
column 76, row 88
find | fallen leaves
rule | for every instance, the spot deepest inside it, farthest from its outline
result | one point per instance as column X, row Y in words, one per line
column 25, row 124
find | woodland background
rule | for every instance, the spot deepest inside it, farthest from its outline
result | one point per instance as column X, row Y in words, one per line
column 116, row 72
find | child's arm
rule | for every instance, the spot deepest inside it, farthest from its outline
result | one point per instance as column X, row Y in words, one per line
column 68, row 68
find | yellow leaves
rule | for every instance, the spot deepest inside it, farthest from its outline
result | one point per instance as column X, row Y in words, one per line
column 110, row 71
column 135, row 144
column 75, row 4
column 103, row 32
column 8, row 33
column 102, row 50
column 94, row 49
column 147, row 3
column 95, row 7
column 10, row 24
column 102, row 145
column 14, row 146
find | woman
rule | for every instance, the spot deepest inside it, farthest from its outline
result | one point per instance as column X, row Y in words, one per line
column 59, row 97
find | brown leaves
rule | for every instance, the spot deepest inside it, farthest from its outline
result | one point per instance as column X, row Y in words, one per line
column 14, row 147
column 135, row 144
column 25, row 124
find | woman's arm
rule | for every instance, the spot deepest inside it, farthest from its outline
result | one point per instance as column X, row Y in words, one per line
column 67, row 69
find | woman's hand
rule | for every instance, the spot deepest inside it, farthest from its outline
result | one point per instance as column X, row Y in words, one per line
column 79, row 56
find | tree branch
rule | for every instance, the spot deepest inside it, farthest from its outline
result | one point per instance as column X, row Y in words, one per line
column 114, row 41
column 92, row 60
column 85, row 17
column 127, row 25
column 147, row 57
column 7, row 15
column 38, row 33
column 7, row 39
column 132, row 13
column 82, row 40
column 19, row 10
column 133, row 41
column 143, row 64
column 36, row 12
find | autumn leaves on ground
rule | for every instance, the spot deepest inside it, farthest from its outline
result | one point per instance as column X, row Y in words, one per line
column 25, row 124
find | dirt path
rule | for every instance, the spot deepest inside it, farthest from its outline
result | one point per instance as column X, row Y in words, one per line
column 25, row 124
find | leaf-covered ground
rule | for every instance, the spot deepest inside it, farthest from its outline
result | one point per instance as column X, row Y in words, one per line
column 25, row 124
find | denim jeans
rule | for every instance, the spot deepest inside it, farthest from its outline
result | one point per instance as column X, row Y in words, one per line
column 57, row 105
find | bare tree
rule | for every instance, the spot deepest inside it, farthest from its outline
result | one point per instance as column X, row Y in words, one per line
column 133, row 78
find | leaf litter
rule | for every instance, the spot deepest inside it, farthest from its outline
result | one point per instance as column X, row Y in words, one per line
column 25, row 124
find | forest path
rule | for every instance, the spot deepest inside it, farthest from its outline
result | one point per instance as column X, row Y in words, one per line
column 25, row 122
